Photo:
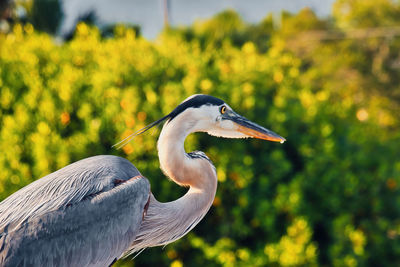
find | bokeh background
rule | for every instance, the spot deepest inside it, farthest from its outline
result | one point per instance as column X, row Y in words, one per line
column 329, row 196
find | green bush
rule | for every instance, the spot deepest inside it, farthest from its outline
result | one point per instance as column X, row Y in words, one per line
column 328, row 196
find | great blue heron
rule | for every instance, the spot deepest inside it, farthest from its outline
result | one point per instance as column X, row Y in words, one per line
column 94, row 211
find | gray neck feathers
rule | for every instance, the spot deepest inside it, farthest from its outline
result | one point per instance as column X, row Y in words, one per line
column 167, row 222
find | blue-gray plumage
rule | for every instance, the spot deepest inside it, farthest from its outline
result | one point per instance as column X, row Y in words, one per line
column 94, row 211
column 49, row 222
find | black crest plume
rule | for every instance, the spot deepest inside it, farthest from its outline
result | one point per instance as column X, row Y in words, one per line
column 194, row 102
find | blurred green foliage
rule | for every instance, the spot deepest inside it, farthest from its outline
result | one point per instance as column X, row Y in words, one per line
column 329, row 196
column 46, row 15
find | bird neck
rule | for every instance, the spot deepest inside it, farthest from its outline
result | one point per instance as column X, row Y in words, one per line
column 167, row 222
column 181, row 167
column 186, row 170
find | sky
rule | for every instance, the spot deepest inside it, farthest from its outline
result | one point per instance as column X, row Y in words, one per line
column 148, row 14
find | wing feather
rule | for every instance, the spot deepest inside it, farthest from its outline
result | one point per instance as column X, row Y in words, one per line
column 76, row 216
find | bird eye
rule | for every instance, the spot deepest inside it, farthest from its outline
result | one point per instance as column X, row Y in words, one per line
column 223, row 109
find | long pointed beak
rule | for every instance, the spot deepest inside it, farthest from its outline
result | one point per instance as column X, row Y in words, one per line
column 252, row 129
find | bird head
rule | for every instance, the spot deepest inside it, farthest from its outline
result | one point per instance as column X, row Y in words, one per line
column 209, row 114
column 204, row 113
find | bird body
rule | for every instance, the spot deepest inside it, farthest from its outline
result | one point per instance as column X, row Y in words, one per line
column 94, row 211
column 80, row 215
